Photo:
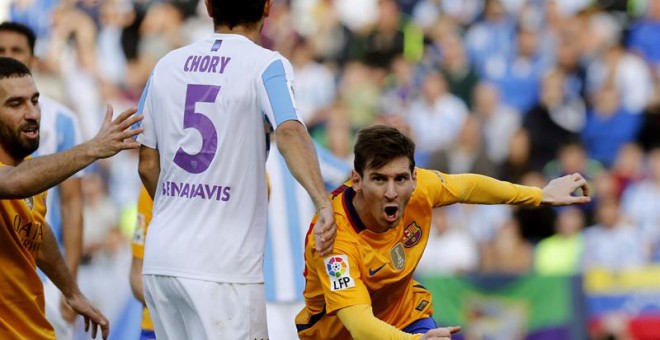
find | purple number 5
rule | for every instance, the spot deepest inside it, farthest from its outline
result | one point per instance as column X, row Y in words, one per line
column 199, row 162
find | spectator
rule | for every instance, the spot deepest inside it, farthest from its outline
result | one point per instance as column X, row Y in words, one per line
column 561, row 253
column 613, row 243
column 609, row 126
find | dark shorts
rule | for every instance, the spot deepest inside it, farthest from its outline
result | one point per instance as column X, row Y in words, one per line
column 147, row 335
column 421, row 326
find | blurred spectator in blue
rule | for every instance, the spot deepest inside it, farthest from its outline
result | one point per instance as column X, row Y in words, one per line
column 553, row 121
column 492, row 35
column 498, row 122
column 629, row 74
column 641, row 203
column 561, row 253
column 463, row 12
column 517, row 74
column 613, row 243
column 644, row 35
column 609, row 126
column 38, row 15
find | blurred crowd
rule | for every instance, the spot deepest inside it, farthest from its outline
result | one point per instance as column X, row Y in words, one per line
column 521, row 90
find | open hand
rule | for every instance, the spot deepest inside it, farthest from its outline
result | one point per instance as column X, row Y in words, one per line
column 116, row 135
column 92, row 316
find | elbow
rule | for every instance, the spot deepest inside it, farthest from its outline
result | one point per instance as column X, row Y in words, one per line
column 290, row 128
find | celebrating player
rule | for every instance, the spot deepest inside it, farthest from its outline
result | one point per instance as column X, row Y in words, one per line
column 365, row 289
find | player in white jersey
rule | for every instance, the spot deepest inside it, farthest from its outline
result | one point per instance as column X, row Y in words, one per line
column 289, row 213
column 59, row 131
column 203, row 160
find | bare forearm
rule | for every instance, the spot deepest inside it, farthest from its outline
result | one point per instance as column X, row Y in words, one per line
column 51, row 262
column 136, row 279
column 38, row 174
column 297, row 148
column 149, row 169
column 72, row 222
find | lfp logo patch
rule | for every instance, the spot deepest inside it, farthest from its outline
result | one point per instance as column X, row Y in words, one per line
column 339, row 271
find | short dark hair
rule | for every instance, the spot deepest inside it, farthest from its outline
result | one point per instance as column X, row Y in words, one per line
column 12, row 68
column 234, row 13
column 15, row 27
column 379, row 144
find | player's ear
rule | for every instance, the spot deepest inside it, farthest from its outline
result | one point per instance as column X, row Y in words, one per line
column 267, row 7
column 414, row 178
column 356, row 181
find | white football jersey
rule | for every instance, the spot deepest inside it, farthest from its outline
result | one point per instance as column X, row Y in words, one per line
column 207, row 107
column 59, row 130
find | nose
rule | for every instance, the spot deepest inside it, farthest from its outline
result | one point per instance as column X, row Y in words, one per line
column 32, row 111
column 390, row 191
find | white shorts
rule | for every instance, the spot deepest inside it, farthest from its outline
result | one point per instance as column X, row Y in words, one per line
column 282, row 319
column 53, row 297
column 194, row 309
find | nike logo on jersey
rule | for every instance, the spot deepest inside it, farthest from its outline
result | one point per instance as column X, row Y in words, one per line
column 373, row 272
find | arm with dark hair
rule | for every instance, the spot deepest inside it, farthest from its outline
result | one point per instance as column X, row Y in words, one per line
column 297, row 148
column 36, row 175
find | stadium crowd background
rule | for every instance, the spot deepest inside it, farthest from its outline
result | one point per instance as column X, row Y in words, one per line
column 522, row 90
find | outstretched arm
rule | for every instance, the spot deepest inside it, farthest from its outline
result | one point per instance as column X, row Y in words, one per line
column 51, row 262
column 479, row 189
column 38, row 174
column 297, row 148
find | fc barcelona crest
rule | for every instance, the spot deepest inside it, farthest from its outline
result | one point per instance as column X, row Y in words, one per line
column 411, row 235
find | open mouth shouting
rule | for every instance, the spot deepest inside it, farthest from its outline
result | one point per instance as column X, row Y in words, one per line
column 391, row 213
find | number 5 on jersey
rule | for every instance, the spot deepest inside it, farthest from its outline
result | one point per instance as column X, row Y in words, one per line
column 201, row 161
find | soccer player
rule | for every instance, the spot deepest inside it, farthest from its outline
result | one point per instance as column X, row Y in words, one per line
column 365, row 289
column 202, row 159
column 27, row 240
column 145, row 205
column 36, row 175
column 59, row 131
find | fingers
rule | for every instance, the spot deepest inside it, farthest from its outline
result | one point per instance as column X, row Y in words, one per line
column 86, row 323
column 128, row 118
column 130, row 133
column 108, row 113
column 325, row 237
column 454, row 329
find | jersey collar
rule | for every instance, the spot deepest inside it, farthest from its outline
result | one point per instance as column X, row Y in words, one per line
column 351, row 213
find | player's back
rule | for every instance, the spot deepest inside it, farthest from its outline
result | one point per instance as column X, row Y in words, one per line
column 204, row 113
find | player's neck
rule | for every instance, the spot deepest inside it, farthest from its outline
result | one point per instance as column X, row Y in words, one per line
column 251, row 32
column 369, row 222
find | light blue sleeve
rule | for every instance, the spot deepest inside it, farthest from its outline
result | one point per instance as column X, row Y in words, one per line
column 279, row 92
